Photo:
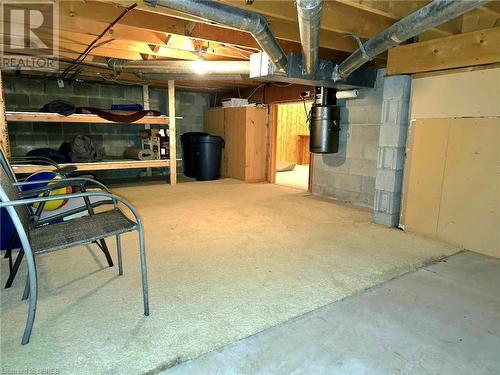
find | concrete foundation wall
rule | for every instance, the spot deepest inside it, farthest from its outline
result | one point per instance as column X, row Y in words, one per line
column 30, row 94
column 349, row 175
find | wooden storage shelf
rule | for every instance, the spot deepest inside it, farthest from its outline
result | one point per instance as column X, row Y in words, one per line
column 96, row 166
column 85, row 118
column 167, row 121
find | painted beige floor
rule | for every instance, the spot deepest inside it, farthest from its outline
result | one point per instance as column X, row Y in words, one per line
column 226, row 260
column 298, row 178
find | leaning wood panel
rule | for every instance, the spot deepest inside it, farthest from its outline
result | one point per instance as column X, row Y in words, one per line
column 469, row 213
column 424, row 176
column 463, row 94
column 475, row 48
column 452, row 182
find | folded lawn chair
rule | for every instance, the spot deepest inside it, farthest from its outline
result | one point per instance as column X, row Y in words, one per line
column 58, row 236
column 40, row 217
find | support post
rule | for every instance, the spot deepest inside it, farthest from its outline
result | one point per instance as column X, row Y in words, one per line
column 391, row 150
column 4, row 130
column 171, row 132
column 145, row 101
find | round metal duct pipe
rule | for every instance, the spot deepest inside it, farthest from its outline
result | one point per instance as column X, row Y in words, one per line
column 181, row 67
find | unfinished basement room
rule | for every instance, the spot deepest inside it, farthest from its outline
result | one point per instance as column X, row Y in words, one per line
column 273, row 187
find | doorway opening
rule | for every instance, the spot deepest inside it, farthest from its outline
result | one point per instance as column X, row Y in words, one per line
column 293, row 160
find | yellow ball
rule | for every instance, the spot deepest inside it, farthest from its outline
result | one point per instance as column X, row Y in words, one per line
column 47, row 175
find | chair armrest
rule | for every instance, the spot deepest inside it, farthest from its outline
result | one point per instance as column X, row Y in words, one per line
column 37, row 159
column 73, row 211
column 112, row 197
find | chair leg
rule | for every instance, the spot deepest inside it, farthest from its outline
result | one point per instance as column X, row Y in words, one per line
column 144, row 272
column 32, row 302
column 105, row 250
column 14, row 269
column 10, row 246
column 119, row 254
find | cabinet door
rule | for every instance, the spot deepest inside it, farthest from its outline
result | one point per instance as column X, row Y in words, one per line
column 213, row 123
column 235, row 137
column 256, row 144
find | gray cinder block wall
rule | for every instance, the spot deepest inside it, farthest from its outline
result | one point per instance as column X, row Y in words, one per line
column 30, row 94
column 392, row 148
column 349, row 175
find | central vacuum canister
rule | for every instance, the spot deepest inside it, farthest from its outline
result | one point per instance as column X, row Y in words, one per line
column 324, row 122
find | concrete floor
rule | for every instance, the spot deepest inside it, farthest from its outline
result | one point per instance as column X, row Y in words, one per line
column 441, row 319
column 226, row 260
column 298, row 178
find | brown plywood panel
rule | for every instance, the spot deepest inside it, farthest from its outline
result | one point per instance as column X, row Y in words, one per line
column 465, row 94
column 470, row 214
column 256, row 145
column 424, row 175
column 235, row 137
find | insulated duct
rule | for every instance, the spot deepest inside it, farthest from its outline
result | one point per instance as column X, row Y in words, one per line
column 215, row 68
column 240, row 19
column 431, row 15
column 309, row 14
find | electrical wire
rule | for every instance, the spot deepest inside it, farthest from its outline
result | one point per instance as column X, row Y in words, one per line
column 285, row 85
column 89, row 48
column 254, row 91
column 308, row 114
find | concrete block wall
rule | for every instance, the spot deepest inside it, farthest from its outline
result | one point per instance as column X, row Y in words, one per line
column 349, row 175
column 30, row 94
column 392, row 148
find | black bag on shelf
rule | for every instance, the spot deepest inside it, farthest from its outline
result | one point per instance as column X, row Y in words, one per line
column 81, row 149
column 59, row 106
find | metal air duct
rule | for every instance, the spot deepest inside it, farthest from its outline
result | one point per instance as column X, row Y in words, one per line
column 222, row 68
column 240, row 19
column 309, row 14
column 431, row 15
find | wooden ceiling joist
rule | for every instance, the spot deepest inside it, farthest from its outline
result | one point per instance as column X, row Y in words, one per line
column 456, row 51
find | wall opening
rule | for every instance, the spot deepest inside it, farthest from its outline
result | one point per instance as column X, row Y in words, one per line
column 293, row 160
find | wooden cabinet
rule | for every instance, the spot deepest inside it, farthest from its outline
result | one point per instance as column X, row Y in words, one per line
column 245, row 131
column 303, row 153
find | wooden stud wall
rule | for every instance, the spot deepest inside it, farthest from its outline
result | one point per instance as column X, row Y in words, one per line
column 292, row 122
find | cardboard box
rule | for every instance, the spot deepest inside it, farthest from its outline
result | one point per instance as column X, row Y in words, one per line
column 159, row 145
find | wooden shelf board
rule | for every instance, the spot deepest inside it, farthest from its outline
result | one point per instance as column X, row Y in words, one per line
column 97, row 166
column 88, row 118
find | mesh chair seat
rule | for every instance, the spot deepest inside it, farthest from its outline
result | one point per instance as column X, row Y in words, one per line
column 79, row 231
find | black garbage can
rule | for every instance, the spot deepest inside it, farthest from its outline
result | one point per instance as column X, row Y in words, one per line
column 202, row 155
column 207, row 157
column 188, row 141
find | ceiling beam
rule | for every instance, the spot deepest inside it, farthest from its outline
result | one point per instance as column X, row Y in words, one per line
column 336, row 16
column 456, row 51
column 396, row 10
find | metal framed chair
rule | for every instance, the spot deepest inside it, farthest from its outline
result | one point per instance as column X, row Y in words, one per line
column 36, row 218
column 66, row 234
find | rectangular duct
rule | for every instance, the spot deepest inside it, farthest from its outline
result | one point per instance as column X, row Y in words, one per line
column 261, row 68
